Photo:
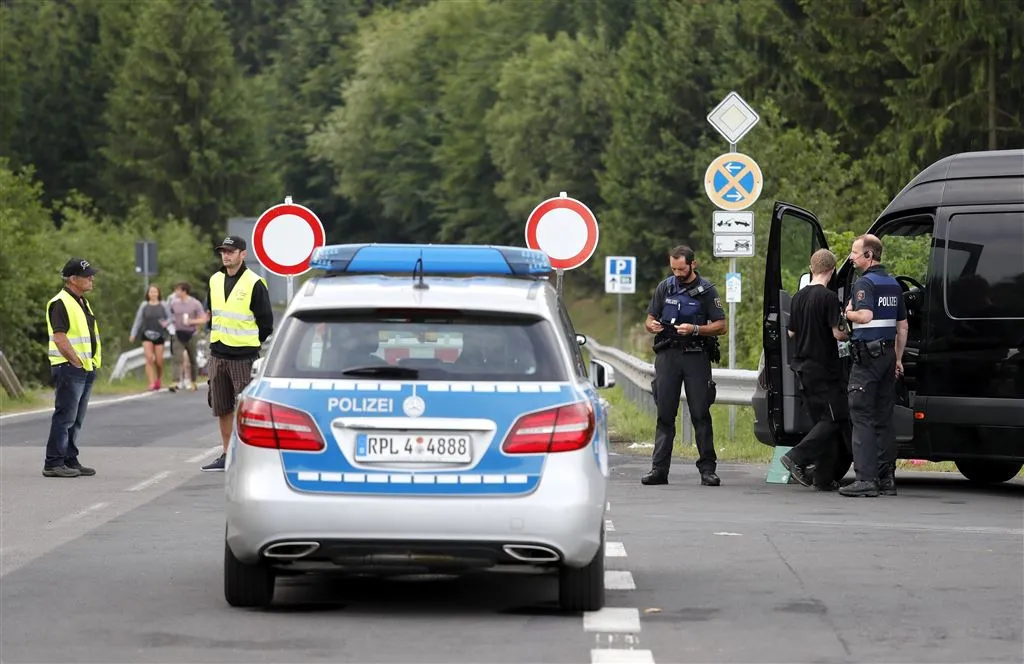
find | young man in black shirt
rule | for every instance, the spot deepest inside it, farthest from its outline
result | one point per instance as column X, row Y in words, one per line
column 814, row 328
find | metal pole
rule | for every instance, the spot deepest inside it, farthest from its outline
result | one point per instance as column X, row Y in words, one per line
column 732, row 337
column 145, row 267
column 291, row 288
column 558, row 282
column 618, row 324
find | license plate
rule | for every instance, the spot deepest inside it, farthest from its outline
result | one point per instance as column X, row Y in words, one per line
column 414, row 448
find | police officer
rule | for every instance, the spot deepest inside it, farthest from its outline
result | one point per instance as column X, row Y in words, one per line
column 75, row 355
column 878, row 319
column 684, row 315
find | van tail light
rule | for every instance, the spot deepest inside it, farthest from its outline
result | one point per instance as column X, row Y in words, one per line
column 264, row 424
column 561, row 429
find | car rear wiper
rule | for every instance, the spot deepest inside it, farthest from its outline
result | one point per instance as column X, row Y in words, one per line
column 388, row 370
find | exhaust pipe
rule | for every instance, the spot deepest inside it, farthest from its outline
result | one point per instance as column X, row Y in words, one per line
column 531, row 553
column 290, row 550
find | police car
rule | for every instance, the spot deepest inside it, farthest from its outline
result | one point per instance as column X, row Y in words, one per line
column 421, row 409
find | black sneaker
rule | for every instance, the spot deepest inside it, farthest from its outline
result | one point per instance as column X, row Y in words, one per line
column 796, row 471
column 860, row 489
column 887, row 486
column 217, row 466
column 84, row 471
column 654, row 477
column 60, row 471
column 710, row 479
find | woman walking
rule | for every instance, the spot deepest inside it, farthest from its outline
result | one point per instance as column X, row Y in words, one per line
column 151, row 320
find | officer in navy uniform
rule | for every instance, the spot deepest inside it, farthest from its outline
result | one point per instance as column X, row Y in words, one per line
column 685, row 315
column 878, row 319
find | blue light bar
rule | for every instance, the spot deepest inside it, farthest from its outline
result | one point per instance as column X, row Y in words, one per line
column 464, row 259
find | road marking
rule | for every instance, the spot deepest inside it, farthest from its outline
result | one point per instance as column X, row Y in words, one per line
column 729, row 534
column 76, row 515
column 603, row 656
column 612, row 619
column 204, row 454
column 609, row 526
column 618, row 580
column 144, row 484
column 92, row 404
column 614, row 549
column 608, row 506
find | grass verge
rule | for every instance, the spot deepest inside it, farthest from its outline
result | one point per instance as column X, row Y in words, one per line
column 42, row 397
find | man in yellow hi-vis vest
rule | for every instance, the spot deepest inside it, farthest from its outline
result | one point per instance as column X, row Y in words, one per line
column 74, row 352
column 241, row 319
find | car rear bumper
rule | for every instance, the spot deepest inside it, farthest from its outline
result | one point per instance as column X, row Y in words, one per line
column 565, row 513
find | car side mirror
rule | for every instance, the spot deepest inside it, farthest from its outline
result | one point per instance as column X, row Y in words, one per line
column 581, row 339
column 805, row 279
column 256, row 366
column 602, row 375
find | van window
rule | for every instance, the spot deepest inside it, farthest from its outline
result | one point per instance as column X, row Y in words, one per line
column 441, row 345
column 984, row 265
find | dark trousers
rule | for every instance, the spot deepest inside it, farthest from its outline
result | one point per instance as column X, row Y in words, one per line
column 72, row 388
column 872, row 397
column 673, row 369
column 824, row 394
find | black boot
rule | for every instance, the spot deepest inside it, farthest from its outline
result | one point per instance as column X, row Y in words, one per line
column 887, row 481
column 710, row 479
column 860, row 489
column 655, row 476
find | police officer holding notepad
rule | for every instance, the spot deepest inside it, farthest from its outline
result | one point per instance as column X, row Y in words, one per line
column 878, row 318
column 686, row 316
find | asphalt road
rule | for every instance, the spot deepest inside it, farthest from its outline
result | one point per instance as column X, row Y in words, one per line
column 126, row 566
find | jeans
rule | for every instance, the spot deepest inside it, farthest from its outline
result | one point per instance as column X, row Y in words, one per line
column 72, row 387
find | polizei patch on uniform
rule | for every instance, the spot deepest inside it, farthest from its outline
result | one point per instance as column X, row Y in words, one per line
column 860, row 295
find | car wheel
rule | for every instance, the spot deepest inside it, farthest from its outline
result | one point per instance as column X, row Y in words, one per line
column 988, row 472
column 247, row 585
column 582, row 588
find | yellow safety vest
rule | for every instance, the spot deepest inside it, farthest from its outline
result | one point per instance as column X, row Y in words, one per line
column 232, row 323
column 78, row 333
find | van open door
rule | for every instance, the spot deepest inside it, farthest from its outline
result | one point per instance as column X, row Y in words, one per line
column 795, row 234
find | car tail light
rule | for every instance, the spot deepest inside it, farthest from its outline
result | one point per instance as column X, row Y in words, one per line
column 263, row 424
column 560, row 429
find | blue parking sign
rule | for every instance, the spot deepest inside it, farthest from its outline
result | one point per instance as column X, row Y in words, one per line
column 620, row 274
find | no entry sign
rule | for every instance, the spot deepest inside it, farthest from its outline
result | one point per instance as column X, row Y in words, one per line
column 284, row 238
column 565, row 229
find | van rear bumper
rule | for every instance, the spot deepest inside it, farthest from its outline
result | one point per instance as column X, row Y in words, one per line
column 967, row 428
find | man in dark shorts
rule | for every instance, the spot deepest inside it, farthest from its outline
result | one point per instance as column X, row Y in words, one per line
column 188, row 313
column 814, row 328
column 241, row 319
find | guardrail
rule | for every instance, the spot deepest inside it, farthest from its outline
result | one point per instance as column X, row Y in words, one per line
column 8, row 379
column 734, row 386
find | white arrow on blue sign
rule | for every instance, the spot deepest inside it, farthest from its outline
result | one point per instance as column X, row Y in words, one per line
column 620, row 274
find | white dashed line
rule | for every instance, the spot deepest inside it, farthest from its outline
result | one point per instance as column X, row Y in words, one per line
column 604, row 656
column 614, row 550
column 612, row 619
column 204, row 454
column 618, row 580
column 76, row 515
column 609, row 527
column 145, row 484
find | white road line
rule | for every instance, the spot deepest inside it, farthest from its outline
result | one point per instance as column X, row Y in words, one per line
column 614, row 550
column 204, row 454
column 609, row 527
column 76, row 515
column 93, row 403
column 144, row 484
column 608, row 506
column 612, row 619
column 618, row 580
column 603, row 656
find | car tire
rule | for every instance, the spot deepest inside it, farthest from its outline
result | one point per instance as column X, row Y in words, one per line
column 247, row 585
column 983, row 471
column 582, row 588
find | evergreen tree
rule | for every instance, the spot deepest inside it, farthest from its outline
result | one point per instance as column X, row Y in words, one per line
column 181, row 126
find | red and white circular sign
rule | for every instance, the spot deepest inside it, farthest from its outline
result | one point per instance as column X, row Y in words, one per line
column 284, row 238
column 565, row 229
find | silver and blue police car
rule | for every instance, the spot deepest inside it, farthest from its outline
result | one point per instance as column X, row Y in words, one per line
column 421, row 409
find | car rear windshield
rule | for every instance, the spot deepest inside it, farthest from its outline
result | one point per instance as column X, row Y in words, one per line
column 424, row 345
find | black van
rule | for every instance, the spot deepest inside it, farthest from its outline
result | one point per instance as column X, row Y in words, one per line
column 954, row 239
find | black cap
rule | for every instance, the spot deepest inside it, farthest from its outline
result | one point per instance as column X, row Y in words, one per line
column 231, row 242
column 78, row 267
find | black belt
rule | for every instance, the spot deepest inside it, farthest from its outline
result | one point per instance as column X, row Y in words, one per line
column 875, row 344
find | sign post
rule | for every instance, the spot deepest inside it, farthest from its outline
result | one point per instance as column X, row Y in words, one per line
column 284, row 239
column 566, row 230
column 619, row 278
column 145, row 261
column 733, row 182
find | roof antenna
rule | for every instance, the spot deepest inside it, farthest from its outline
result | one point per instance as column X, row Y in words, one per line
column 418, row 267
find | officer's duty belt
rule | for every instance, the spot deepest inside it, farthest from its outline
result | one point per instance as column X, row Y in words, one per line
column 876, row 345
column 686, row 347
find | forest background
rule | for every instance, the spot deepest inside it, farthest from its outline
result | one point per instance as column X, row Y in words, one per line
column 449, row 120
